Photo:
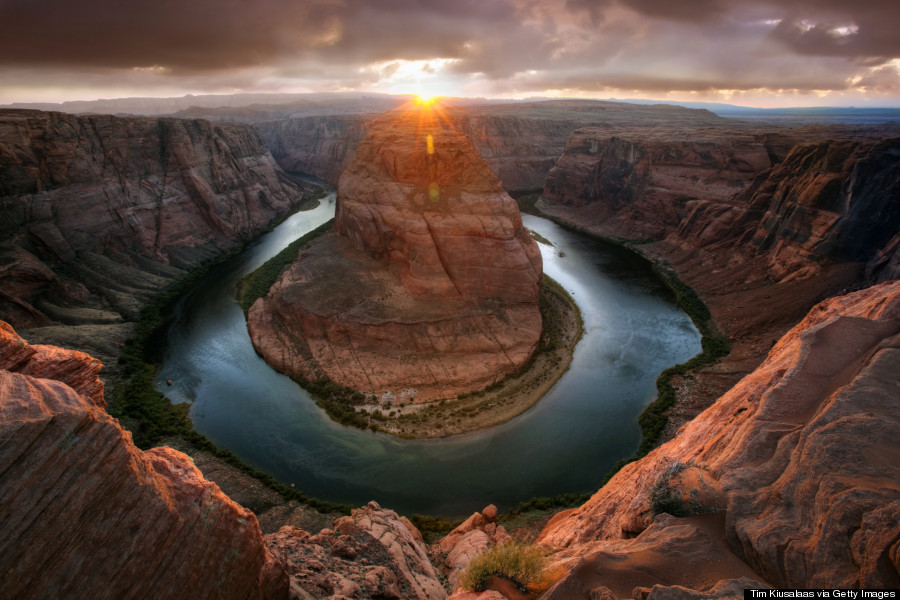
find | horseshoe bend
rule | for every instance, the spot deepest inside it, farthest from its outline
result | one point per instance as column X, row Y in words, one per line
column 429, row 285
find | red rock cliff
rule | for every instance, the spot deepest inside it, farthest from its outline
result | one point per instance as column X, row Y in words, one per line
column 430, row 285
column 101, row 211
column 801, row 455
column 86, row 514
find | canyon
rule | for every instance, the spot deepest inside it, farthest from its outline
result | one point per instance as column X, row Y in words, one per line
column 102, row 213
column 779, row 463
column 428, row 287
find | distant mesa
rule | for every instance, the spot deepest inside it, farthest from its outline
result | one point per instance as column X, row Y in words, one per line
column 427, row 288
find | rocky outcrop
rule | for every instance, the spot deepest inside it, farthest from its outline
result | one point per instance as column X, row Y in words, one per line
column 834, row 200
column 102, row 212
column 77, row 370
column 88, row 515
column 373, row 553
column 430, row 284
column 472, row 537
column 800, row 197
column 800, row 456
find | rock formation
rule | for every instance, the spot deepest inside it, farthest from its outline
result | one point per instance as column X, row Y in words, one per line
column 834, row 200
column 800, row 455
column 430, row 282
column 520, row 141
column 101, row 213
column 88, row 515
column 641, row 182
column 802, row 197
column 472, row 537
column 373, row 553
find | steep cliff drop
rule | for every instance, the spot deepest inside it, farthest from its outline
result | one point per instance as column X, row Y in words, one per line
column 796, row 467
column 101, row 213
column 86, row 514
column 428, row 286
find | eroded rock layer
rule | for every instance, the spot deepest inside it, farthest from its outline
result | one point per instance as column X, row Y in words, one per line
column 373, row 553
column 801, row 456
column 101, row 212
column 429, row 286
column 86, row 514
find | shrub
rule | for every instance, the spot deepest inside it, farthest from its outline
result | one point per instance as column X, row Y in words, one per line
column 667, row 499
column 521, row 564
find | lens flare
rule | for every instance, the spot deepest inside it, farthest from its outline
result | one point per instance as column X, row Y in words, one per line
column 426, row 100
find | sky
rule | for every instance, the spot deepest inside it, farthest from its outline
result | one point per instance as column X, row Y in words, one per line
column 763, row 53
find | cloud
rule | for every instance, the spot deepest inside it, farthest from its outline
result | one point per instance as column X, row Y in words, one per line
column 497, row 46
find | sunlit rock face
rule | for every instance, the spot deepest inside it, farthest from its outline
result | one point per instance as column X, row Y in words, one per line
column 800, row 458
column 430, row 282
column 86, row 514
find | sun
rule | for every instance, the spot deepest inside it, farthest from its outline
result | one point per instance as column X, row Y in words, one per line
column 425, row 100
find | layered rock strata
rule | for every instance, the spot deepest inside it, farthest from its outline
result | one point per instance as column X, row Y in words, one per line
column 520, row 141
column 429, row 286
column 801, row 457
column 86, row 514
column 101, row 212
column 801, row 197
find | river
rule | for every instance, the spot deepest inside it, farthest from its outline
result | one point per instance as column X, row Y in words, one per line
column 565, row 443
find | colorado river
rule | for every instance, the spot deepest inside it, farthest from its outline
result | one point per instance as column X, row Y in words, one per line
column 566, row 443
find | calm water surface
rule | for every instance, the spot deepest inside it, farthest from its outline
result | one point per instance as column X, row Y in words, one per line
column 566, row 443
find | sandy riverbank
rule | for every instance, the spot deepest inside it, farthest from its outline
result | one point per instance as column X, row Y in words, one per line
column 504, row 400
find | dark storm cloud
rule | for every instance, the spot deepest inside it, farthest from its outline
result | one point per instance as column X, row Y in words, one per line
column 189, row 36
column 510, row 45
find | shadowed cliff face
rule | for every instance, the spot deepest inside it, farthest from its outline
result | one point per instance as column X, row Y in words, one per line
column 832, row 200
column 101, row 212
column 801, row 456
column 88, row 515
column 431, row 283
column 823, row 200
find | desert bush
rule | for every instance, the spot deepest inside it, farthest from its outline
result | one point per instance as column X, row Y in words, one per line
column 667, row 499
column 519, row 563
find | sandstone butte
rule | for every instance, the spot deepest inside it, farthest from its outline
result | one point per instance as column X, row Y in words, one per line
column 427, row 288
column 86, row 514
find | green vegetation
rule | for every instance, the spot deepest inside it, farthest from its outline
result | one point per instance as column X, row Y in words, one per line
column 539, row 238
column 521, row 564
column 433, row 528
column 546, row 503
column 257, row 284
column 714, row 346
column 338, row 401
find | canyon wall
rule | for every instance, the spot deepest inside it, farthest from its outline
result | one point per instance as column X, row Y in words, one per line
column 101, row 213
column 801, row 197
column 520, row 141
column 798, row 462
column 322, row 146
column 86, row 514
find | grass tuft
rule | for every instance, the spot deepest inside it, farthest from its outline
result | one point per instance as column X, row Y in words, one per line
column 519, row 563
